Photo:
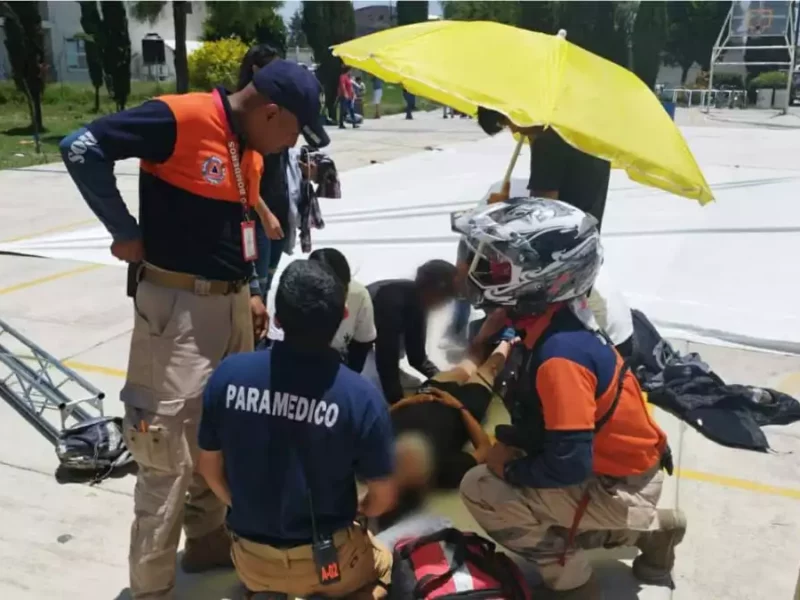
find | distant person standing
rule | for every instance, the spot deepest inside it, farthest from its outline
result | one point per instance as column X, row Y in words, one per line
column 411, row 104
column 377, row 95
column 360, row 89
column 347, row 98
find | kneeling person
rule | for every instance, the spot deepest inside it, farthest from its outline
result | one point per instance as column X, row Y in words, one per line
column 581, row 465
column 283, row 436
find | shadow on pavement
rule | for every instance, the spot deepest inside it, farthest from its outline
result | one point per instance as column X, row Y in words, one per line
column 220, row 584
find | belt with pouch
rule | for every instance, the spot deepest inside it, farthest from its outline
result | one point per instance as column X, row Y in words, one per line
column 199, row 286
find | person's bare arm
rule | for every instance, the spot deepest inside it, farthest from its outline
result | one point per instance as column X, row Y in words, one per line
column 415, row 399
column 381, row 497
column 210, row 465
column 479, row 438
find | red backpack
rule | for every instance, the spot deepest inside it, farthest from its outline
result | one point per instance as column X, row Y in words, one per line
column 450, row 564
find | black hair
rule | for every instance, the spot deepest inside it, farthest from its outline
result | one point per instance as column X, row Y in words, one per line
column 491, row 121
column 309, row 304
column 257, row 56
column 335, row 261
column 437, row 276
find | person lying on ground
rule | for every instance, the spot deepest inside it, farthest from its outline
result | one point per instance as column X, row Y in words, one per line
column 580, row 466
column 401, row 318
column 294, row 419
column 433, row 426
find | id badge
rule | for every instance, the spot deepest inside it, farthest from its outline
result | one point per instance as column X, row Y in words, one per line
column 326, row 559
column 249, row 248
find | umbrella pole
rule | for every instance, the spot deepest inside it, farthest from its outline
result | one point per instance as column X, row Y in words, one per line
column 505, row 191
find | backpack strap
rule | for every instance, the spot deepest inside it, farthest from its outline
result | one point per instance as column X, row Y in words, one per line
column 601, row 422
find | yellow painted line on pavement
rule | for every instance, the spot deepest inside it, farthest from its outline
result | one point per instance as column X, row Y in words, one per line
column 721, row 480
column 55, row 229
column 47, row 278
column 79, row 366
column 742, row 484
column 790, row 384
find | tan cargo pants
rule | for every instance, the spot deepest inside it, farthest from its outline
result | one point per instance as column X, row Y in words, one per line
column 535, row 523
column 363, row 560
column 178, row 339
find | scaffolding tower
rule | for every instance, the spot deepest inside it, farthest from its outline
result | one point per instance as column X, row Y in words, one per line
column 775, row 20
column 47, row 393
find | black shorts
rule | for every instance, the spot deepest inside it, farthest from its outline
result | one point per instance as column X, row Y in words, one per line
column 474, row 396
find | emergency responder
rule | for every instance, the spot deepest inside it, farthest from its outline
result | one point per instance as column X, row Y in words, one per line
column 284, row 434
column 193, row 246
column 581, row 465
column 562, row 172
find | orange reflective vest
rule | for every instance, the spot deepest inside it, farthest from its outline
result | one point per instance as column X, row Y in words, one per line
column 200, row 162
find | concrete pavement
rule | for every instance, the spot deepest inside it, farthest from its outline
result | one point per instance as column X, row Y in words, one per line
column 66, row 541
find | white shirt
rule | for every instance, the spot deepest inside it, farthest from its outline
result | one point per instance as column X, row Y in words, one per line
column 610, row 308
column 358, row 325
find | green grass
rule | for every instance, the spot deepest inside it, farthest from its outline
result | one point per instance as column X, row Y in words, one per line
column 65, row 107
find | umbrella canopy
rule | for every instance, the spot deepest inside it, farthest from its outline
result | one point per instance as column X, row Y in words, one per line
column 537, row 79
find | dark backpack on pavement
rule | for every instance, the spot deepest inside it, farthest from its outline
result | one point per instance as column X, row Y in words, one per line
column 94, row 447
column 450, row 564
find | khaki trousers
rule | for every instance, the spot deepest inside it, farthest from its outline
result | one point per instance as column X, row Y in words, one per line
column 363, row 563
column 178, row 339
column 535, row 523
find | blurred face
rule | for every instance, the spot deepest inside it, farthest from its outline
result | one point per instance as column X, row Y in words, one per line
column 271, row 129
column 435, row 300
column 409, row 468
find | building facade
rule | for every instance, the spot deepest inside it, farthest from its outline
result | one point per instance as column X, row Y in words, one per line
column 66, row 55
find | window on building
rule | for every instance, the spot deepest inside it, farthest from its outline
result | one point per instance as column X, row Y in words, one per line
column 76, row 54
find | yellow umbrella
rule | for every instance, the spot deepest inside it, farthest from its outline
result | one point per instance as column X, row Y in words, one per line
column 537, row 79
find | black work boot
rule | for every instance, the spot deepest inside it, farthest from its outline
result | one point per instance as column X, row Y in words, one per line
column 654, row 564
column 211, row 551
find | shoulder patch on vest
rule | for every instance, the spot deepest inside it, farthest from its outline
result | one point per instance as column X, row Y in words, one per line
column 214, row 170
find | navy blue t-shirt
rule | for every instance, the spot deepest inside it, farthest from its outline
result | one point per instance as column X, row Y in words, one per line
column 285, row 422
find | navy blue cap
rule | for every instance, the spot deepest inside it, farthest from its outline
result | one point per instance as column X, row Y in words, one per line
column 296, row 89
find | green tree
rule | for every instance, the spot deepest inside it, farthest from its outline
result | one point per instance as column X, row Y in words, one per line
column 297, row 37
column 502, row 12
column 649, row 38
column 598, row 27
column 412, row 11
column 770, row 55
column 217, row 63
column 325, row 24
column 149, row 12
column 693, row 28
column 251, row 22
column 25, row 47
column 92, row 26
column 538, row 16
column 116, row 52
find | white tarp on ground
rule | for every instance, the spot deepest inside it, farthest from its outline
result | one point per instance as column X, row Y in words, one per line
column 724, row 271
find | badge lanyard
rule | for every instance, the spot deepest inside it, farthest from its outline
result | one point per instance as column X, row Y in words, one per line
column 249, row 247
